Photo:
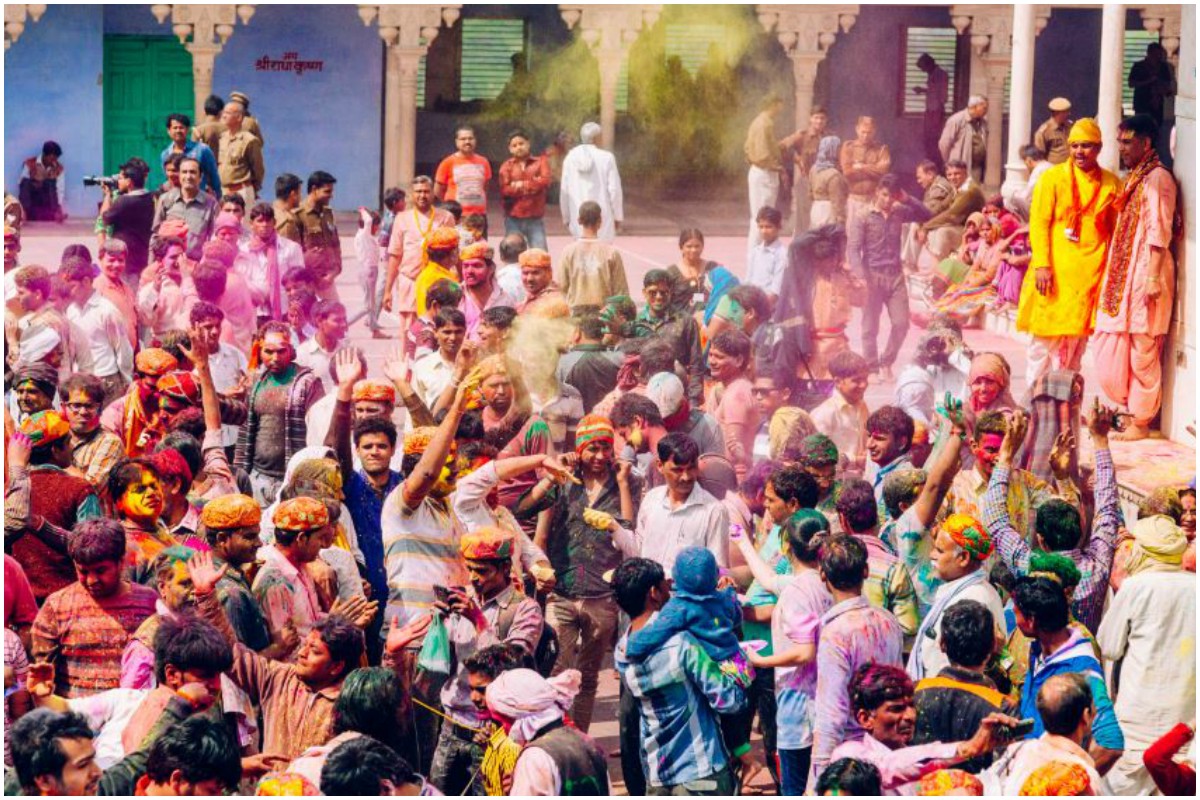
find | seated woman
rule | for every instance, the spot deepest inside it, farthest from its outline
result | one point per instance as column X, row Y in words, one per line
column 953, row 269
column 967, row 299
column 1011, row 272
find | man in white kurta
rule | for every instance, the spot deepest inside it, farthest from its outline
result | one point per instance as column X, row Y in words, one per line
column 589, row 173
column 1149, row 632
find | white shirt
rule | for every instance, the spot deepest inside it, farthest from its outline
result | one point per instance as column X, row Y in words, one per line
column 589, row 173
column 700, row 521
column 845, row 424
column 535, row 774
column 106, row 335
column 108, row 713
column 226, row 364
column 310, row 354
column 254, row 267
column 508, row 276
column 431, row 374
column 983, row 592
column 766, row 266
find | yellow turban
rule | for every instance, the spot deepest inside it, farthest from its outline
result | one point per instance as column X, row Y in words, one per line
column 231, row 511
column 1057, row 779
column 1085, row 130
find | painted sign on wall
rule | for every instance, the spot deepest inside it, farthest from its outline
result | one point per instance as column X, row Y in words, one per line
column 290, row 62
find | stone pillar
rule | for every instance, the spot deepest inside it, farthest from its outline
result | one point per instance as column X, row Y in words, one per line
column 992, row 45
column 609, row 32
column 203, row 30
column 1112, row 80
column 407, row 32
column 806, row 33
column 1179, row 355
column 1020, row 108
column 1166, row 21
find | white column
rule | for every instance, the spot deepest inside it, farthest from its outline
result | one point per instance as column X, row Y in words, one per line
column 1020, row 96
column 1112, row 79
column 391, row 106
column 409, row 59
column 609, row 61
column 1179, row 355
column 804, row 70
column 203, row 58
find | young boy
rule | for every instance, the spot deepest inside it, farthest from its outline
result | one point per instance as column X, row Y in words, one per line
column 419, row 340
column 843, row 417
column 495, row 326
column 366, row 248
column 472, row 229
column 768, row 258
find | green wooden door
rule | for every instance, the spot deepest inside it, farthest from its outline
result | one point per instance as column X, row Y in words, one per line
column 145, row 78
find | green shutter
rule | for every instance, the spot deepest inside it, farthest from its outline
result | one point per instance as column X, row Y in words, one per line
column 488, row 46
column 691, row 42
column 942, row 45
column 1135, row 51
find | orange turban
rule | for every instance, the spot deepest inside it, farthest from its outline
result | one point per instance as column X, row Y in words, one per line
column 443, row 239
column 947, row 782
column 231, row 511
column 968, row 534
column 45, row 428
column 1057, row 779
column 535, row 257
column 379, row 391
column 301, row 514
column 181, row 386
column 486, row 544
column 418, row 439
column 476, row 251
column 155, row 362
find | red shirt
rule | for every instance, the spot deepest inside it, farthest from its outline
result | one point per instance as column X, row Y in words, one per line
column 465, row 179
column 19, row 605
column 527, row 201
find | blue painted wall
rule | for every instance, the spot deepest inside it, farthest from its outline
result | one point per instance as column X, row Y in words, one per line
column 329, row 120
column 49, row 94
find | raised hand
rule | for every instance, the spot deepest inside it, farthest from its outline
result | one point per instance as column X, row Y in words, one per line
column 40, row 681
column 198, row 352
column 1060, row 454
column 395, row 366
column 20, row 446
column 401, row 636
column 289, row 637
column 347, row 366
column 1014, row 436
column 559, row 470
column 952, row 410
column 204, row 574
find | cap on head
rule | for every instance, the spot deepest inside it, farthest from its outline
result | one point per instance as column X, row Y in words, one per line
column 1060, row 104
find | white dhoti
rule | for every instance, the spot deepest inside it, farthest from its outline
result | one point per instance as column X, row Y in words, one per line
column 764, row 191
column 820, row 214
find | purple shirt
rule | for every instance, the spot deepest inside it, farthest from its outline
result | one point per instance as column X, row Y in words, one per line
column 899, row 769
column 853, row 633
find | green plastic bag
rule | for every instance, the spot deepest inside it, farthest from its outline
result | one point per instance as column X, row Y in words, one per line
column 435, row 650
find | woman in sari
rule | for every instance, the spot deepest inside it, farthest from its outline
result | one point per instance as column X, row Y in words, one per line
column 699, row 284
column 967, row 299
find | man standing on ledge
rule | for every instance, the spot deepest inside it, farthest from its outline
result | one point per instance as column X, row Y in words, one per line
column 1069, row 228
column 1138, row 290
column 239, row 156
column 463, row 176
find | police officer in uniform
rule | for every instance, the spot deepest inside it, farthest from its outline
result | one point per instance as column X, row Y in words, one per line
column 318, row 232
column 1051, row 137
column 249, row 122
column 240, row 162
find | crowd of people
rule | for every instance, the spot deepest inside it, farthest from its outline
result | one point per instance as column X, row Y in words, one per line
column 241, row 557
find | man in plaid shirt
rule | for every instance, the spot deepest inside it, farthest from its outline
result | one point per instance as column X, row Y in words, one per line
column 1058, row 522
column 680, row 691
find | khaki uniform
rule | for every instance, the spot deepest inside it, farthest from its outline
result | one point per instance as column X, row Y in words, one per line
column 287, row 224
column 318, row 232
column 250, row 123
column 209, row 133
column 240, row 164
column 1051, row 139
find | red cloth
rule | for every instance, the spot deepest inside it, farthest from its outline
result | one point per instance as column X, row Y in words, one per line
column 20, row 607
column 527, row 201
column 55, row 496
column 1171, row 777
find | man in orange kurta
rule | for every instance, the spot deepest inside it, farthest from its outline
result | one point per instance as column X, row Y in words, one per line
column 1138, row 291
column 1069, row 227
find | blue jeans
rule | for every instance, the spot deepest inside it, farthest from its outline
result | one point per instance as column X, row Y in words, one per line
column 534, row 230
column 793, row 771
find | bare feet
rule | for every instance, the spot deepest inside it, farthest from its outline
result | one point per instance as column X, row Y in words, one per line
column 1133, row 433
column 378, row 334
column 750, row 770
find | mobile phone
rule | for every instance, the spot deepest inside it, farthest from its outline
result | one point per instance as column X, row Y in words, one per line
column 1021, row 729
column 441, row 594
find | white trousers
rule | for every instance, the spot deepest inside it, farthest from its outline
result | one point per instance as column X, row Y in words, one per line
column 764, row 191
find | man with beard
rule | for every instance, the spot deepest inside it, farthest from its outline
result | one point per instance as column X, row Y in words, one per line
column 274, row 430
column 34, row 386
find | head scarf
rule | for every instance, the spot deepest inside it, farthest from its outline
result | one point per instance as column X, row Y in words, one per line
column 531, row 701
column 37, row 342
column 443, row 239
column 947, row 782
column 41, row 374
column 486, row 544
column 227, row 221
column 154, row 362
column 978, row 219
column 181, row 386
column 594, row 428
column 788, row 423
column 1085, row 130
column 994, row 366
column 45, row 428
column 321, row 475
column 300, row 514
column 818, row 450
column 1057, row 779
column 667, row 392
column 1158, row 545
column 629, row 372
column 827, row 153
column 968, row 534
column 377, row 391
column 231, row 511
column 535, row 257
column 285, row 784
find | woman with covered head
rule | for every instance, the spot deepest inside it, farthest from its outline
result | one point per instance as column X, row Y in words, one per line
column 556, row 759
column 829, row 188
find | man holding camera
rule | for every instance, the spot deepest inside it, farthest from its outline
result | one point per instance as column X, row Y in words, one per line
column 128, row 214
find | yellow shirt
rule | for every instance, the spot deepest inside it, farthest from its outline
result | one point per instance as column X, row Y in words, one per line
column 431, row 273
column 1078, row 266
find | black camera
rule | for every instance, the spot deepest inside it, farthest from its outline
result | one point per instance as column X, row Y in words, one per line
column 100, row 180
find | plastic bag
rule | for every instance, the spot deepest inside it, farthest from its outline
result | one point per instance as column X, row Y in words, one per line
column 435, row 654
